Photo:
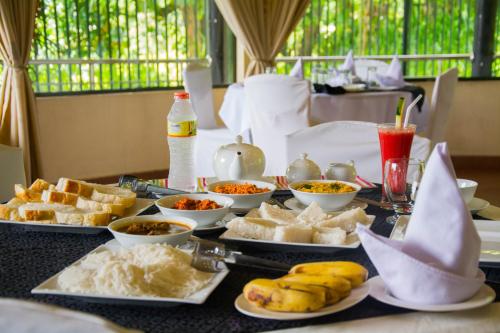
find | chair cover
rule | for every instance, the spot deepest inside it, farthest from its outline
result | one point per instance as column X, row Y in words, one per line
column 11, row 160
column 442, row 99
column 198, row 83
column 278, row 105
column 340, row 141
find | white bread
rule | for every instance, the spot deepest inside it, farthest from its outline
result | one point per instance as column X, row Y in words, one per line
column 40, row 212
column 331, row 236
column 312, row 215
column 10, row 210
column 250, row 227
column 347, row 220
column 113, row 209
column 26, row 194
column 39, row 185
column 113, row 195
column 65, row 198
column 77, row 216
column 75, row 186
column 294, row 233
column 276, row 214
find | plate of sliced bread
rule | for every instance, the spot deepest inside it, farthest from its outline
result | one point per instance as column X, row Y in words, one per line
column 270, row 227
column 73, row 206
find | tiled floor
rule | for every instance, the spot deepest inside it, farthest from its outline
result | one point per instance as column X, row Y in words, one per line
column 489, row 182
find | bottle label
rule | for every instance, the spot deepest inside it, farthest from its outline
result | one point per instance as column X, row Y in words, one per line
column 182, row 129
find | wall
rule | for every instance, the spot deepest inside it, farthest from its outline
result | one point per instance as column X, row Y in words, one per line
column 98, row 135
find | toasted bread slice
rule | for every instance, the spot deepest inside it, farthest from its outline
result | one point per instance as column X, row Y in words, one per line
column 113, row 195
column 113, row 209
column 65, row 198
column 75, row 186
column 26, row 194
column 39, row 185
column 84, row 217
column 40, row 212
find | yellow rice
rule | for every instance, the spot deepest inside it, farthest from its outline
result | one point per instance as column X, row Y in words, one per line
column 334, row 187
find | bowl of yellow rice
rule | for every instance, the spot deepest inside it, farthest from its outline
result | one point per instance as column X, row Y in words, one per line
column 328, row 194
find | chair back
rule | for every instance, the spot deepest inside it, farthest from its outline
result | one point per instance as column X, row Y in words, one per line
column 340, row 141
column 362, row 66
column 278, row 105
column 11, row 160
column 441, row 102
column 198, row 83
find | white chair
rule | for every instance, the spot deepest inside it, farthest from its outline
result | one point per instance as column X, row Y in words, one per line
column 340, row 141
column 11, row 160
column 362, row 66
column 198, row 83
column 278, row 105
column 442, row 99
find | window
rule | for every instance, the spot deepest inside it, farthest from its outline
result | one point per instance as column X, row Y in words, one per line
column 83, row 45
column 438, row 34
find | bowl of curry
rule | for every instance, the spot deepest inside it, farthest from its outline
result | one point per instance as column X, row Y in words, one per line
column 329, row 194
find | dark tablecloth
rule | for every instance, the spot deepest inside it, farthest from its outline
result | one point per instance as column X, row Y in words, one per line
column 29, row 258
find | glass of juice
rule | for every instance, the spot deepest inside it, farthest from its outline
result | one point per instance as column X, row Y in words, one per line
column 394, row 143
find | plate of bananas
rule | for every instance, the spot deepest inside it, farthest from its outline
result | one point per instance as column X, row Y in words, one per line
column 309, row 290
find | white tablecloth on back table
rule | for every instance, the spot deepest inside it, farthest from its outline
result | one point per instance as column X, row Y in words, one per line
column 376, row 107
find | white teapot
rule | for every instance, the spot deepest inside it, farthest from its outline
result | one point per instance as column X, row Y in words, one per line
column 341, row 171
column 239, row 161
column 302, row 169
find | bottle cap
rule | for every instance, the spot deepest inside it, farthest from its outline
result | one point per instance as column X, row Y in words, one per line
column 181, row 95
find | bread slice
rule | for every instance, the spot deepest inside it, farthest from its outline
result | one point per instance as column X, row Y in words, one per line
column 65, row 198
column 347, row 220
column 276, row 214
column 75, row 186
column 250, row 227
column 10, row 210
column 113, row 209
column 331, row 236
column 26, row 194
column 84, row 217
column 294, row 233
column 40, row 212
column 39, row 185
column 113, row 195
column 312, row 215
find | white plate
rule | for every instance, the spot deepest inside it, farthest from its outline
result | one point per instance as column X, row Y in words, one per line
column 356, row 296
column 477, row 204
column 51, row 287
column 489, row 232
column 355, row 87
column 139, row 206
column 297, row 206
column 484, row 296
column 232, row 237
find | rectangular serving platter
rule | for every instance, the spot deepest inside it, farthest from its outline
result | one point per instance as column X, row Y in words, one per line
column 139, row 206
column 233, row 238
column 51, row 287
column 489, row 232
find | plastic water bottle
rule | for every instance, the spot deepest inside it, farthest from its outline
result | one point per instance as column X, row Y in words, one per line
column 182, row 123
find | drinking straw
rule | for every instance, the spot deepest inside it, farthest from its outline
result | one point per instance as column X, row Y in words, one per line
column 409, row 108
column 399, row 112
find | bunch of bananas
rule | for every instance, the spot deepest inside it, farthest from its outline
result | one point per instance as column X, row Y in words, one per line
column 308, row 287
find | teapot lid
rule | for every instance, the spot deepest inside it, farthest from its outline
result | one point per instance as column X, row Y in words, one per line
column 304, row 162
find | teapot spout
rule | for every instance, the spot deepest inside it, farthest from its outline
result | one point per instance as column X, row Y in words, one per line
column 237, row 168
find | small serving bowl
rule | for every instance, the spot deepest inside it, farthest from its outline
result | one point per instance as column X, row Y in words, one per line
column 327, row 201
column 245, row 201
column 203, row 217
column 467, row 189
column 128, row 240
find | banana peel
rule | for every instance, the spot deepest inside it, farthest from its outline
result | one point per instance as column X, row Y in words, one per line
column 338, row 287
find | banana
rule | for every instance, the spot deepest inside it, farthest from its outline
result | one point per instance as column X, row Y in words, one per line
column 285, row 296
column 337, row 287
column 352, row 271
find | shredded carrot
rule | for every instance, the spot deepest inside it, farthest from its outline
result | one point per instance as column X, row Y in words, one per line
column 189, row 204
column 239, row 189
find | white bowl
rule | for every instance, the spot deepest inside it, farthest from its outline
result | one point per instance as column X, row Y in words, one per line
column 467, row 189
column 128, row 240
column 203, row 217
column 327, row 201
column 245, row 201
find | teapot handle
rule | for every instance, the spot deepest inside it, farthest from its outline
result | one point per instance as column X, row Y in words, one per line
column 351, row 163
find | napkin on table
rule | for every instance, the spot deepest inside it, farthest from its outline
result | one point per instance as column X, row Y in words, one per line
column 393, row 77
column 349, row 63
column 437, row 262
column 298, row 70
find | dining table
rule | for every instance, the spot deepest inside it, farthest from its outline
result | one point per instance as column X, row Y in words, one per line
column 376, row 105
column 30, row 257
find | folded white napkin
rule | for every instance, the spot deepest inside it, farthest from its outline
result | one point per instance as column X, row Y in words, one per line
column 349, row 63
column 298, row 70
column 437, row 262
column 393, row 77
